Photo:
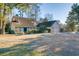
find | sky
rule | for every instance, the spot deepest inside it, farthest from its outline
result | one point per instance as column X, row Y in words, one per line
column 59, row 11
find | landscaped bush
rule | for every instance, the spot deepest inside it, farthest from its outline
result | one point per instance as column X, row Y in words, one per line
column 19, row 33
column 35, row 31
column 11, row 32
column 8, row 29
column 39, row 30
column 32, row 32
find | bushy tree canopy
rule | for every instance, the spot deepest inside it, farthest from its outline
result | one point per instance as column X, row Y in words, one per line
column 73, row 18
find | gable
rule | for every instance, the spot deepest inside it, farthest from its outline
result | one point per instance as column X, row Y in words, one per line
column 23, row 22
column 56, row 25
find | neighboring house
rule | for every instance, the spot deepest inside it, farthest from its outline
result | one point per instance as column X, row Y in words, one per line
column 54, row 26
column 22, row 25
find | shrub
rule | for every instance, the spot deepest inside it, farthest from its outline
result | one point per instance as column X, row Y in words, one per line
column 11, row 32
column 8, row 29
column 32, row 32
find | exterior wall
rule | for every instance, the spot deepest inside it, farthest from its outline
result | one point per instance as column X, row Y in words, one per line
column 20, row 29
column 55, row 28
column 31, row 28
column 12, row 26
column 17, row 30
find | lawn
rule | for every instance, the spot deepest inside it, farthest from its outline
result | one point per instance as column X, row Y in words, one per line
column 18, row 50
column 44, row 44
column 11, row 46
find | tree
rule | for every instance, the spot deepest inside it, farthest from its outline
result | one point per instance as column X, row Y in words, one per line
column 34, row 11
column 70, row 26
column 40, row 20
column 22, row 7
column 30, row 9
column 42, row 28
column 49, row 16
column 5, row 10
column 73, row 18
column 3, row 16
column 17, row 15
column 75, row 9
column 45, row 19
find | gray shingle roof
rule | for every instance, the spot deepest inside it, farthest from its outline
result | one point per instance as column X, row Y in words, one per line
column 48, row 24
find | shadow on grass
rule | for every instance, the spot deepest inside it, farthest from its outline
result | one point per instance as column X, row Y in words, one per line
column 71, row 49
column 21, row 49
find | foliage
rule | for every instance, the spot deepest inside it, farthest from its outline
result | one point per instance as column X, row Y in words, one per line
column 8, row 29
column 22, row 7
column 34, row 11
column 42, row 29
column 29, row 32
column 32, row 32
column 39, row 30
column 4, row 12
column 49, row 16
column 73, row 18
column 30, row 9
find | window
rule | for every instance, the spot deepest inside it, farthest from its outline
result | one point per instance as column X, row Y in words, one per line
column 21, row 29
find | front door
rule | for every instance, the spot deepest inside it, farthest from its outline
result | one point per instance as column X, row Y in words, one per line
column 25, row 29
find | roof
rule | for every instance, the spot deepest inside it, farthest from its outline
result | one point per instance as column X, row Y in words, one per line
column 23, row 22
column 48, row 24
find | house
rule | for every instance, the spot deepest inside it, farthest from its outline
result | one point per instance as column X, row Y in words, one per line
column 22, row 25
column 53, row 26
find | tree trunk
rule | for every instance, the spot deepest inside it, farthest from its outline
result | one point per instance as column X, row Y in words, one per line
column 0, row 26
column 3, row 27
column 3, row 22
